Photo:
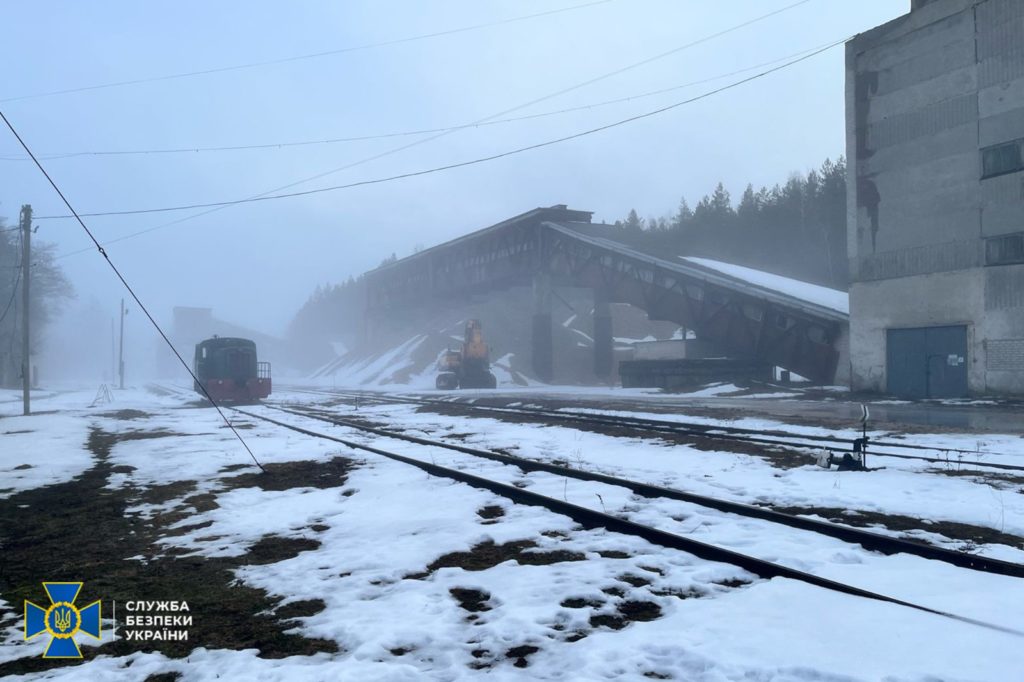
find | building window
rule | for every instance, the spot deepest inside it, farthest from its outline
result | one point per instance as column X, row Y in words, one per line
column 1006, row 249
column 1001, row 159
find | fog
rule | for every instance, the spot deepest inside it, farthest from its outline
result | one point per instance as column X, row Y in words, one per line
column 255, row 264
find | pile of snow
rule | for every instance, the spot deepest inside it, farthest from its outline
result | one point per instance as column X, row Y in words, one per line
column 411, row 364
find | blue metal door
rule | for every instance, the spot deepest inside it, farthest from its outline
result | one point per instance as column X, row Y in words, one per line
column 928, row 362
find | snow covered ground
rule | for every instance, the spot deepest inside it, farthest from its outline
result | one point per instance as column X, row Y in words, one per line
column 423, row 578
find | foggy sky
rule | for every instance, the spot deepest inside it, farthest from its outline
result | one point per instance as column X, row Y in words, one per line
column 255, row 264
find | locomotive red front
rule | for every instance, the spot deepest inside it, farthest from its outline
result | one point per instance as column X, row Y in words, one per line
column 228, row 370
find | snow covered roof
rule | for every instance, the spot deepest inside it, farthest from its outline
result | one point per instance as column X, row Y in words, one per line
column 811, row 293
column 693, row 268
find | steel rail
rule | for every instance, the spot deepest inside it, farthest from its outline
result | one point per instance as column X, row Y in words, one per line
column 591, row 518
column 731, row 433
column 866, row 539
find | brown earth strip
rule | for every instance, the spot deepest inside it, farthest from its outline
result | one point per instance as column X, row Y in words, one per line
column 81, row 531
column 487, row 555
column 963, row 532
column 780, row 457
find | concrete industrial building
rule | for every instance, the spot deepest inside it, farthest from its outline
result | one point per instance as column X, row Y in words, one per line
column 935, row 146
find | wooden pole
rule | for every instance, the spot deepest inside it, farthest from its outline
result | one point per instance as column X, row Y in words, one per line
column 26, row 278
column 120, row 358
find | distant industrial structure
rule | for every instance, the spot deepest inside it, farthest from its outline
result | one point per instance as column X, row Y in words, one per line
column 556, row 247
column 191, row 325
column 935, row 146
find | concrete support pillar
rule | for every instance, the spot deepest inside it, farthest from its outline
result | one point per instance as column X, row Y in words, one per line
column 604, row 358
column 368, row 330
column 543, row 347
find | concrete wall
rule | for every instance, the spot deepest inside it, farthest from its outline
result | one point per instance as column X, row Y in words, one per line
column 925, row 94
column 1003, row 329
column 933, row 300
column 676, row 349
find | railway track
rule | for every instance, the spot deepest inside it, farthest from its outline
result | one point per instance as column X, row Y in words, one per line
column 592, row 518
column 866, row 539
column 768, row 437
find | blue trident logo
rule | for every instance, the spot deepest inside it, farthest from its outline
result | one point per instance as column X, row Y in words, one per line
column 62, row 620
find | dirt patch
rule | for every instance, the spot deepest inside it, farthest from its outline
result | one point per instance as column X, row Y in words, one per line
column 580, row 603
column 302, row 474
column 488, row 555
column 558, row 534
column 202, row 502
column 692, row 593
column 520, row 654
column 301, row 609
column 627, row 612
column 161, row 494
column 492, row 511
column 967, row 533
column 634, row 580
column 471, row 600
column 126, row 415
column 183, row 530
column 163, row 677
column 552, row 557
column 484, row 659
column 271, row 549
column 100, row 441
column 80, row 530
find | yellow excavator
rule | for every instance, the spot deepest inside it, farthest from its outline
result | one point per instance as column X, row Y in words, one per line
column 469, row 367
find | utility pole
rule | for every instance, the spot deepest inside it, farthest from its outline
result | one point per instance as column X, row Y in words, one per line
column 26, row 269
column 120, row 357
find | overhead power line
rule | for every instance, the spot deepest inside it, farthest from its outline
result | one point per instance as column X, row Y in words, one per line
column 437, row 136
column 461, row 164
column 131, row 291
column 303, row 57
column 410, row 133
